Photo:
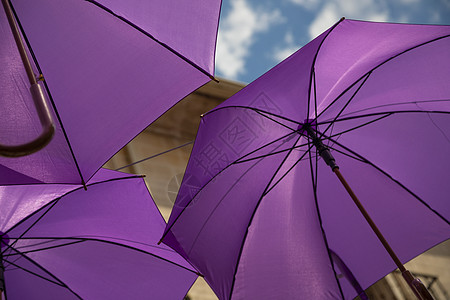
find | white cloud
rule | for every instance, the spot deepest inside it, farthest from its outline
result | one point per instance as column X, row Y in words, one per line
column 237, row 34
column 308, row 4
column 332, row 11
column 289, row 48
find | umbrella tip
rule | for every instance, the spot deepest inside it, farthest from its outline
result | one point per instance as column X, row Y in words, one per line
column 84, row 184
column 159, row 243
column 214, row 78
column 342, row 19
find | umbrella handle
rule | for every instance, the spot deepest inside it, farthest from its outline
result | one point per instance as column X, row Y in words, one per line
column 417, row 286
column 39, row 100
column 48, row 128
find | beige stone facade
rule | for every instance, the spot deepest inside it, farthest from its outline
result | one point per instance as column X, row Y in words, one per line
column 164, row 172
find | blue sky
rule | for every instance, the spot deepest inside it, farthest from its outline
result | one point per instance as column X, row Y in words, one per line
column 254, row 35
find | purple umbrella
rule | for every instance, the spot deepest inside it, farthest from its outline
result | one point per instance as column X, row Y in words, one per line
column 62, row 242
column 108, row 69
column 260, row 213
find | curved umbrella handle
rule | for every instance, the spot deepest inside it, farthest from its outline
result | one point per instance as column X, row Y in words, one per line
column 39, row 100
column 48, row 129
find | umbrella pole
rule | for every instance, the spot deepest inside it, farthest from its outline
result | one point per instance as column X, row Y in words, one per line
column 415, row 284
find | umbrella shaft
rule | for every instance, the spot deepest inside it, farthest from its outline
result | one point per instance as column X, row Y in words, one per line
column 369, row 220
column 19, row 42
column 415, row 284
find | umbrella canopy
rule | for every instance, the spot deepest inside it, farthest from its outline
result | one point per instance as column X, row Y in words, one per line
column 260, row 213
column 62, row 242
column 109, row 69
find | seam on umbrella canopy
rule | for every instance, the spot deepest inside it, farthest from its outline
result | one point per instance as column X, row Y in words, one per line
column 377, row 66
column 151, row 36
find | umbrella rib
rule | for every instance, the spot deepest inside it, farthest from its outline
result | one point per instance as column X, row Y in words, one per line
column 263, row 112
column 46, row 271
column 315, row 97
column 220, row 202
column 33, row 273
column 314, row 181
column 271, row 153
column 379, row 65
column 348, row 102
column 155, row 155
column 392, row 179
column 86, row 239
column 45, row 248
column 173, row 51
column 313, row 65
column 50, row 204
column 53, row 202
column 392, row 105
column 272, row 119
column 357, row 127
column 48, row 93
column 212, row 178
column 229, row 190
column 383, row 115
column 289, row 170
column 252, row 217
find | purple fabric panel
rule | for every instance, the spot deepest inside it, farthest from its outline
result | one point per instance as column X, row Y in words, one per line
column 412, row 148
column 109, row 231
column 8, row 176
column 108, row 81
column 209, row 223
column 408, row 225
column 355, row 47
column 415, row 80
column 225, row 135
column 118, row 211
column 19, row 123
column 189, row 27
column 20, row 201
column 14, row 93
column 211, row 229
column 284, row 255
column 24, row 285
column 96, row 270
column 284, row 89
